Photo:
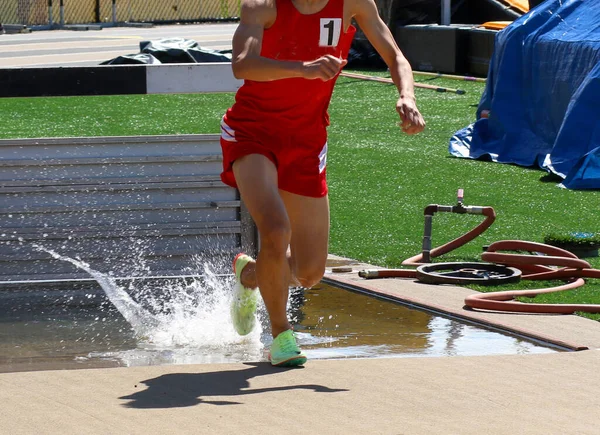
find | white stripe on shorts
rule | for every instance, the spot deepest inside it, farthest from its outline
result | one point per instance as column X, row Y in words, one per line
column 227, row 133
column 323, row 158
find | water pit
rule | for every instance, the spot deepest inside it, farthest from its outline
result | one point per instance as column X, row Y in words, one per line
column 159, row 201
column 186, row 321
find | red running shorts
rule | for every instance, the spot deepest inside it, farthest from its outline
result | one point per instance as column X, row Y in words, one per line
column 300, row 159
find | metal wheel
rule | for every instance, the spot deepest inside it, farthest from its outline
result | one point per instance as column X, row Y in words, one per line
column 468, row 273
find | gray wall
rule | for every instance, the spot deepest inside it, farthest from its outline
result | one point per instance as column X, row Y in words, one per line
column 134, row 206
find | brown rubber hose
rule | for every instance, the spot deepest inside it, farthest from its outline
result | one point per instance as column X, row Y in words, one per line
column 574, row 271
column 571, row 268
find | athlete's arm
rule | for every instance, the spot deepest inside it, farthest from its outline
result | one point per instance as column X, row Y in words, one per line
column 366, row 15
column 247, row 63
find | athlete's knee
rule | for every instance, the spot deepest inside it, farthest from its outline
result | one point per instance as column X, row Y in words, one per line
column 275, row 235
column 310, row 276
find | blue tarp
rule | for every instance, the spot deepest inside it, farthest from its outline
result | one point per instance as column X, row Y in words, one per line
column 543, row 95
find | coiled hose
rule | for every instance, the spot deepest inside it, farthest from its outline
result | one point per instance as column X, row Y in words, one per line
column 566, row 266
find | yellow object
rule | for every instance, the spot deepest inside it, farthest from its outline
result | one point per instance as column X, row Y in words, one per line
column 522, row 5
column 496, row 25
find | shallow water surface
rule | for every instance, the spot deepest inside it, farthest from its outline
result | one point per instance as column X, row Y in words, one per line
column 187, row 322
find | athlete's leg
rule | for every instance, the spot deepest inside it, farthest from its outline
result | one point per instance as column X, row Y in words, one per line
column 249, row 274
column 256, row 177
column 309, row 219
column 307, row 256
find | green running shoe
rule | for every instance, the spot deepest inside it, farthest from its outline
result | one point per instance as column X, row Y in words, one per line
column 285, row 352
column 245, row 300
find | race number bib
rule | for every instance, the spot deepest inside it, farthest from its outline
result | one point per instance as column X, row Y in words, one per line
column 330, row 32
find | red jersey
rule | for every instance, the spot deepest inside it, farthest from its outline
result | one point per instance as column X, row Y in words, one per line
column 293, row 104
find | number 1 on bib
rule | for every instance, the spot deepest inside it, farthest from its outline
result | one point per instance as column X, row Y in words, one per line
column 331, row 29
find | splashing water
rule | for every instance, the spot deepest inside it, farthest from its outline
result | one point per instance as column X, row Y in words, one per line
column 139, row 319
column 181, row 321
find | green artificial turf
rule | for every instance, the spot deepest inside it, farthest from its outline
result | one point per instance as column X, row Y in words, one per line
column 380, row 179
column 121, row 115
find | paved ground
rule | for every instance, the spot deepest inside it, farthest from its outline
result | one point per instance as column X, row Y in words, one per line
column 534, row 394
column 526, row 394
column 89, row 48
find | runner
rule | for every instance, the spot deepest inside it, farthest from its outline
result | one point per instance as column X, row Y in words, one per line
column 274, row 141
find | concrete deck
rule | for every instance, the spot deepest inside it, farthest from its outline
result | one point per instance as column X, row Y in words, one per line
column 534, row 394
column 525, row 394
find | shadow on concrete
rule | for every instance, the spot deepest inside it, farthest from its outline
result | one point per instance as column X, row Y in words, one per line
column 179, row 390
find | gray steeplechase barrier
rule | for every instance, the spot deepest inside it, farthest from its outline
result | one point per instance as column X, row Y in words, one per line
column 139, row 206
column 132, row 206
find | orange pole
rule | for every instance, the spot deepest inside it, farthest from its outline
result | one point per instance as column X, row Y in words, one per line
column 390, row 81
column 449, row 76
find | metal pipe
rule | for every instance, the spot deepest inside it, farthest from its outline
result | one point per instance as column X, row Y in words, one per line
column 427, row 254
column 62, row 13
column 450, row 76
column 50, row 18
column 387, row 273
column 427, row 238
column 445, row 13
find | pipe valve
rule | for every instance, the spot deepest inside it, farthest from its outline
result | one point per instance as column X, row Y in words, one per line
column 460, row 207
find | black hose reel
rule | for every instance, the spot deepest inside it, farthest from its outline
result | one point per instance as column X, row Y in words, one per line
column 467, row 273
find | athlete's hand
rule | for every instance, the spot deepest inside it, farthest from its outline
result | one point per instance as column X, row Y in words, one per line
column 412, row 121
column 324, row 68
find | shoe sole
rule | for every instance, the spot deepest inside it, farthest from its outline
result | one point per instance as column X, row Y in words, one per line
column 291, row 362
column 239, row 320
column 233, row 311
